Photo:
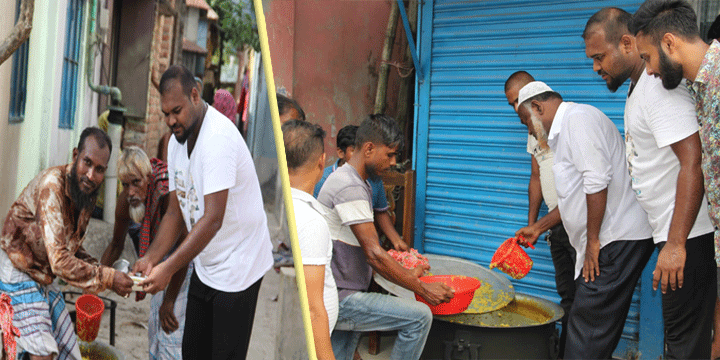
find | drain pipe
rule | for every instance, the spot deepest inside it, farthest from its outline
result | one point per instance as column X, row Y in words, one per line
column 115, row 121
column 115, row 130
column 115, row 94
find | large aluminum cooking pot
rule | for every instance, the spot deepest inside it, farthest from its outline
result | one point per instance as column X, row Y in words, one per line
column 525, row 329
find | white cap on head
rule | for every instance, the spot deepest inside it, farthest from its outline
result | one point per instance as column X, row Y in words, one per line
column 532, row 89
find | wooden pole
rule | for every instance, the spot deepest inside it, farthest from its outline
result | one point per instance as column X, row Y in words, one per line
column 20, row 33
column 178, row 29
column 406, row 83
column 386, row 54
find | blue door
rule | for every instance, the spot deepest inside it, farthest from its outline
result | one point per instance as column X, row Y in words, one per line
column 470, row 148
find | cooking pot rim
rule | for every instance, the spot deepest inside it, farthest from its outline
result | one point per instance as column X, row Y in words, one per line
column 552, row 308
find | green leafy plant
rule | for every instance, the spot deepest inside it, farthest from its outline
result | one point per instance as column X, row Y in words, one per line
column 237, row 23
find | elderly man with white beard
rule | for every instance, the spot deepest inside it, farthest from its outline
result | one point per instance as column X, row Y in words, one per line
column 141, row 204
column 605, row 223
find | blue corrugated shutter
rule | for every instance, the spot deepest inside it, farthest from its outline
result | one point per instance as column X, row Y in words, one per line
column 471, row 159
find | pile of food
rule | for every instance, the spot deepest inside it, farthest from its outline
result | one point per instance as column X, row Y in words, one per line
column 516, row 314
column 487, row 299
column 408, row 259
column 98, row 351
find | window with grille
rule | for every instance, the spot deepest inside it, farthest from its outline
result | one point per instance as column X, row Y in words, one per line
column 18, row 80
column 71, row 64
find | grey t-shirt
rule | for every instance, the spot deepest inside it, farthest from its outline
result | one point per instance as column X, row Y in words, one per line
column 348, row 201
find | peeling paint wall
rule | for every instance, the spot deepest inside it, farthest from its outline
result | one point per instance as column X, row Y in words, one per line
column 326, row 55
column 9, row 133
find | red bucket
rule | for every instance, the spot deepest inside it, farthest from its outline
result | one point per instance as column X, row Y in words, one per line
column 512, row 259
column 464, row 286
column 89, row 310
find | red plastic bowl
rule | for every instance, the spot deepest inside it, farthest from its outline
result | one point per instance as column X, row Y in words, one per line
column 464, row 286
column 512, row 259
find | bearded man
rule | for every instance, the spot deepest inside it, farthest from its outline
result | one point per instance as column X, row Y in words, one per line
column 605, row 223
column 42, row 239
column 664, row 154
column 542, row 188
column 669, row 41
column 215, row 197
column 143, row 201
column 142, row 204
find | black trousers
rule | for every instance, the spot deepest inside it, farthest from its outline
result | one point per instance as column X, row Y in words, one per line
column 218, row 324
column 598, row 314
column 688, row 312
column 563, row 257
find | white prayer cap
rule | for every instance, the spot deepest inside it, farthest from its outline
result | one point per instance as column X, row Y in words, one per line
column 532, row 89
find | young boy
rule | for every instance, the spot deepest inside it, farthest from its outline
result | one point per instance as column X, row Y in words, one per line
column 345, row 150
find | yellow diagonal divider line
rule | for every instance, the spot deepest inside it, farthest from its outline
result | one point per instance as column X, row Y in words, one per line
column 285, row 179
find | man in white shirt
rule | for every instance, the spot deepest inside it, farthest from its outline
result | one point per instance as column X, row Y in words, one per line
column 215, row 194
column 542, row 187
column 606, row 225
column 664, row 154
column 305, row 154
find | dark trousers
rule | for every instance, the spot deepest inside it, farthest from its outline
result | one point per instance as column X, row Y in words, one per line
column 218, row 324
column 563, row 257
column 598, row 314
column 688, row 311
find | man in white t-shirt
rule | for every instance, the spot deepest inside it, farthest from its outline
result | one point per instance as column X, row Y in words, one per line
column 542, row 187
column 305, row 154
column 215, row 194
column 606, row 225
column 663, row 153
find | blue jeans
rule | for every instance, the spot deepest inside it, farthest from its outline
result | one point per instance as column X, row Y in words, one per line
column 363, row 311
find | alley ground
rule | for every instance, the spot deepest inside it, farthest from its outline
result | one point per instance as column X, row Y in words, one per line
column 132, row 316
